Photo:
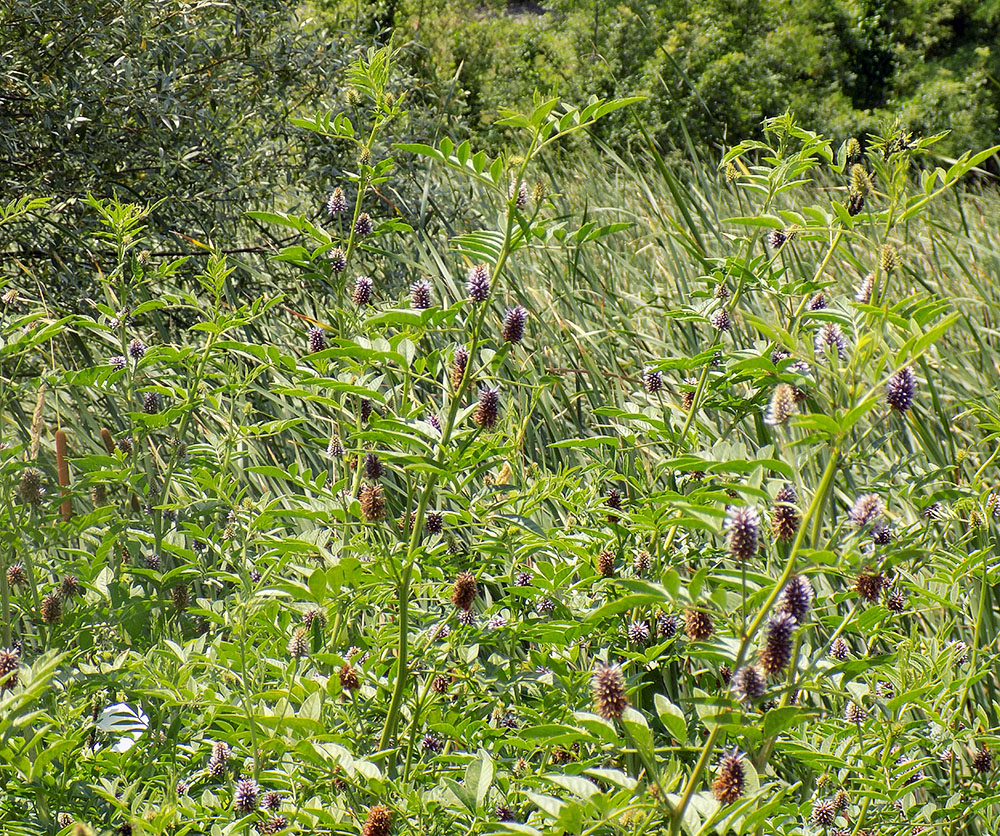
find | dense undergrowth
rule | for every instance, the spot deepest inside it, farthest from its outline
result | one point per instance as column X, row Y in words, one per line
column 614, row 502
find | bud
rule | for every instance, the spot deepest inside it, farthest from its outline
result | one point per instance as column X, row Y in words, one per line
column 338, row 260
column 888, row 260
column 720, row 320
column 776, row 238
column 151, row 403
column 136, row 349
column 221, row 754
column 363, row 291
column 698, row 625
column 478, row 283
column 749, row 683
column 488, row 411
column 865, row 289
column 743, row 531
column 464, row 592
column 831, row 337
column 652, row 380
column 861, row 181
column 363, row 226
column 434, row 522
column 459, row 363
column 420, row 295
column 839, row 649
column 785, row 517
column 818, row 302
column 982, row 760
column 513, row 324
column 379, row 821
column 179, row 594
column 867, row 508
column 337, row 204
column 609, row 692
column 730, row 781
column 854, row 713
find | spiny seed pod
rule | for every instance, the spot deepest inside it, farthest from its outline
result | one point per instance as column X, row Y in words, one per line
column 51, row 608
column 613, row 499
column 853, row 151
column 365, row 410
column 136, row 349
column 641, row 561
column 338, row 260
column 797, row 597
column 488, row 410
column 831, row 338
column 783, row 405
column 841, row 800
column 440, row 685
column 372, row 502
column 818, row 302
column 335, row 449
column 16, row 576
column 117, row 363
column 777, row 651
column 523, row 579
column 982, row 759
column 784, row 515
column 725, row 674
column 30, row 488
column 895, row 601
column 477, row 285
column 420, row 295
column 434, row 522
column 221, row 753
column 638, row 632
column 153, row 562
column 298, row 644
column 519, row 193
column 869, row 586
column 900, row 389
column 459, row 363
column 839, row 649
column 721, row 291
column 9, row 660
column 698, row 625
column 608, row 686
column 776, row 238
column 363, row 291
column 463, row 593
column 866, row 287
column 867, row 508
column 374, row 469
column 272, row 824
column 363, row 226
column 888, row 259
column 513, row 324
column 337, row 204
column 720, row 320
column 666, row 625
column 652, row 380
column 749, row 683
column 379, row 821
column 742, row 532
column 151, row 403
column 246, row 797
column 823, row 813
column 606, row 564
column 179, row 594
column 317, row 340
column 861, row 181
column 349, row 679
column 730, row 780
column 854, row 713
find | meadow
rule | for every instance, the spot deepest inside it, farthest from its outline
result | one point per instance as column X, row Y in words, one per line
column 558, row 489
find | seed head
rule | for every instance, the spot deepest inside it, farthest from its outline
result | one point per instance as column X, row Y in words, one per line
column 749, row 683
column 982, row 759
column 730, row 781
column 374, row 469
column 777, row 651
column 698, row 625
column 776, row 238
column 420, row 294
column 854, row 713
column 641, row 561
column 861, row 181
column 855, row 203
column 652, row 380
column 606, row 564
column 463, row 594
column 151, row 403
column 900, row 389
column 638, row 632
column 895, row 601
column 888, row 260
column 379, row 821
column 519, row 193
column 823, row 813
column 867, row 508
column 136, row 349
column 783, row 405
column 298, row 644
column 337, row 204
column 513, row 324
column 831, row 337
column 666, row 625
column 372, row 502
column 784, row 515
column 221, row 753
column 434, row 522
column 609, row 692
column 30, row 488
column 246, row 797
column 865, row 289
column 459, row 362
column 488, row 410
column 117, row 363
column 335, row 449
column 52, row 608
column 477, row 285
column 363, row 226
column 440, row 685
column 16, row 576
column 720, row 320
column 317, row 341
column 839, row 649
column 818, row 302
column 742, row 532
column 273, row 824
column 180, row 597
column 841, row 800
column 363, row 291
column 797, row 598
column 338, row 260
column 349, row 679
column 9, row 660
column 869, row 586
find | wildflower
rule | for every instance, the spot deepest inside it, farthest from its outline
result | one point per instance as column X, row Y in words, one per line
column 687, row 398
column 720, row 320
column 504, row 813
column 459, row 363
column 609, row 692
column 666, row 625
column 338, row 260
column 30, row 488
column 823, row 813
column 16, row 574
column 885, row 689
column 513, row 324
column 317, row 341
column 519, row 192
column 641, row 561
column 523, row 579
column 298, row 644
column 777, row 650
column 796, row 598
column 434, row 522
column 153, row 562
column 865, row 289
column 374, row 469
column 861, row 181
column 818, row 302
column 730, row 781
column 982, row 759
column 420, row 295
column 488, row 410
column 378, row 822
column 246, row 796
column 776, row 238
column 784, row 516
column 900, row 389
column 869, row 586
column 478, row 283
column 496, row 622
column 221, row 754
column 638, row 632
column 743, row 532
column 335, row 449
column 854, row 713
column 652, row 380
column 349, row 679
column 896, row 600
column 698, row 625
column 606, row 564
column 51, row 609
column 721, row 291
column 151, row 403
column 839, row 649
column 430, row 743
column 464, row 592
column 961, row 651
column 881, row 534
column 363, row 226
column 117, row 363
column 9, row 660
column 273, row 824
column 337, row 204
column 372, row 502
column 136, row 349
column 363, row 291
column 545, row 606
column 888, row 259
column 830, row 336
column 867, row 508
column 782, row 405
column 749, row 683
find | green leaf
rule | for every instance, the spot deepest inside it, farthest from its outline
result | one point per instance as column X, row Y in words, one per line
column 671, row 717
